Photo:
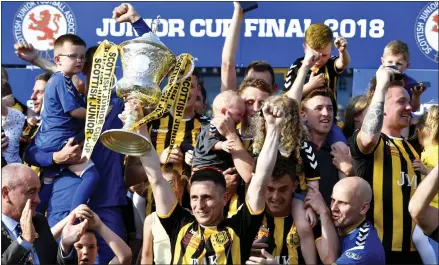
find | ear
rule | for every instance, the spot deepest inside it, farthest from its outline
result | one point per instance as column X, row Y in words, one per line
column 226, row 194
column 5, row 193
column 56, row 60
column 365, row 208
column 408, row 65
column 357, row 117
column 382, row 60
column 223, row 111
column 303, row 115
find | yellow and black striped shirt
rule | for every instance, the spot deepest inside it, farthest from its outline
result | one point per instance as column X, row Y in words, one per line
column 280, row 234
column 329, row 71
column 390, row 173
column 161, row 129
column 227, row 243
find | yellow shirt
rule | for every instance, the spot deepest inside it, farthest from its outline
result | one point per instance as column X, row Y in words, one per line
column 430, row 159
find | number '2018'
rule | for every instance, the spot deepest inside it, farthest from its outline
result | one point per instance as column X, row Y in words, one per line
column 348, row 27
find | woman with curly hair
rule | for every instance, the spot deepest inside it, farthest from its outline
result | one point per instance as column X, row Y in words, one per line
column 294, row 145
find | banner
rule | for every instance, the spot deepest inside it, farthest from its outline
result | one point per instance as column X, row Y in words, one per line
column 273, row 32
column 99, row 92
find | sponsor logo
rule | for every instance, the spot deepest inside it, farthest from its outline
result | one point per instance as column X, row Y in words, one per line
column 40, row 23
column 427, row 31
column 352, row 255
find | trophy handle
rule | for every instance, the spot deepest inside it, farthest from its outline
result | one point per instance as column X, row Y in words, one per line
column 193, row 60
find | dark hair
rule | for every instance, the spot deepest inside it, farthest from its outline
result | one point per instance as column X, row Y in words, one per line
column 197, row 74
column 5, row 74
column 71, row 38
column 6, row 88
column 203, row 93
column 44, row 76
column 208, row 174
column 89, row 55
column 284, row 166
column 325, row 92
column 257, row 83
column 261, row 66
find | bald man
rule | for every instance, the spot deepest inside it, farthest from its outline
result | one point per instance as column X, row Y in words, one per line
column 26, row 235
column 350, row 201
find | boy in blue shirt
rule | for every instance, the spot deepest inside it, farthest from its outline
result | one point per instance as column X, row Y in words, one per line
column 63, row 117
column 396, row 53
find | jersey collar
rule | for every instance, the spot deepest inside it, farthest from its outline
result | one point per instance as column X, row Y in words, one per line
column 349, row 229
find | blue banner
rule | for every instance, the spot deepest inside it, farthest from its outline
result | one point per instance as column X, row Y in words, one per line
column 273, row 32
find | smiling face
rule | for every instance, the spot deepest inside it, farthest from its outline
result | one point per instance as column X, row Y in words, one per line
column 397, row 108
column 207, row 202
column 38, row 95
column 279, row 195
column 319, row 114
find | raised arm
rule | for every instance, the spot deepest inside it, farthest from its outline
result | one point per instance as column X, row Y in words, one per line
column 127, row 13
column 82, row 211
column 27, row 53
column 228, row 71
column 164, row 196
column 296, row 90
column 419, row 207
column 370, row 132
column 344, row 58
column 257, row 188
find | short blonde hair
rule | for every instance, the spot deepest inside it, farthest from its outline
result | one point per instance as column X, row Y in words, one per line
column 225, row 100
column 318, row 36
column 397, row 47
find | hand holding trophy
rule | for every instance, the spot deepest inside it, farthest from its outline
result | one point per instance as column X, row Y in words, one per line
column 146, row 61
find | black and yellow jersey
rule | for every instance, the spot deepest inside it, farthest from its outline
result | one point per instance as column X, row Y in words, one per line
column 227, row 243
column 160, row 131
column 235, row 201
column 280, row 234
column 390, row 173
column 329, row 71
column 309, row 169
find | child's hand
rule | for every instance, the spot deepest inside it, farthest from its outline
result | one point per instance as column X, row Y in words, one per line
column 32, row 121
column 311, row 58
column 418, row 90
column 311, row 217
column 341, row 44
column 316, row 81
column 419, row 166
column 228, row 145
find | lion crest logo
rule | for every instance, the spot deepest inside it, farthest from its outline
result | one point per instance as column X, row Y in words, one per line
column 427, row 31
column 40, row 23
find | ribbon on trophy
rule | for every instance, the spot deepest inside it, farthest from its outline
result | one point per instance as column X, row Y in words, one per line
column 99, row 93
column 175, row 95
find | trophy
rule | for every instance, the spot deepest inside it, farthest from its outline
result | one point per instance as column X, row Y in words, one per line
column 146, row 61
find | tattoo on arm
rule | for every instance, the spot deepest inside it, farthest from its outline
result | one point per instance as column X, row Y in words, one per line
column 373, row 121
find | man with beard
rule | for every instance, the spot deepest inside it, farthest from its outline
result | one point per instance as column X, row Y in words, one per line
column 278, row 233
column 384, row 158
column 351, row 198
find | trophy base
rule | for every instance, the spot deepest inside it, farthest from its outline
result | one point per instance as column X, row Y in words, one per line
column 126, row 142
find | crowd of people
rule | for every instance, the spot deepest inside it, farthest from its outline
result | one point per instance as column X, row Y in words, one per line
column 271, row 178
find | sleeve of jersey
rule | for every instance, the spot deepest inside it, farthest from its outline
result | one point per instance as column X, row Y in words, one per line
column 332, row 66
column 355, row 150
column 210, row 139
column 309, row 161
column 356, row 256
column 176, row 219
column 245, row 224
column 291, row 76
column 37, row 157
column 67, row 99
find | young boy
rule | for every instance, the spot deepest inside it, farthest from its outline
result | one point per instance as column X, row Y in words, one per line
column 396, row 53
column 63, row 117
column 212, row 148
column 325, row 72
